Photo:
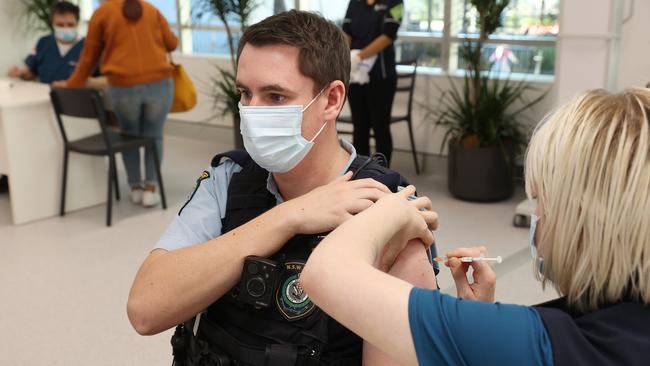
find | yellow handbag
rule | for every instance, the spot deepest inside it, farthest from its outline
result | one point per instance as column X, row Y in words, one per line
column 184, row 90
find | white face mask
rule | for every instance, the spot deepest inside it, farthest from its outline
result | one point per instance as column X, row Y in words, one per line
column 272, row 135
column 533, row 244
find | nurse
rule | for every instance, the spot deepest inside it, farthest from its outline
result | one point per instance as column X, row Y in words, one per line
column 56, row 55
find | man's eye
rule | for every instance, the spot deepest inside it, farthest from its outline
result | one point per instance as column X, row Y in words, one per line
column 278, row 98
column 245, row 94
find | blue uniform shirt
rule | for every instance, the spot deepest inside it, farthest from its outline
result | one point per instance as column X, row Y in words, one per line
column 451, row 331
column 47, row 63
column 200, row 219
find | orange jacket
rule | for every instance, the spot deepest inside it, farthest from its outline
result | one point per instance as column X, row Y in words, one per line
column 131, row 53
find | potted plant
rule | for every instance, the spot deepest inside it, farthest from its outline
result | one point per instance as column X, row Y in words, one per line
column 225, row 95
column 37, row 14
column 482, row 120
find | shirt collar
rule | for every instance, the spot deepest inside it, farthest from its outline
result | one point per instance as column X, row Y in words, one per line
column 272, row 187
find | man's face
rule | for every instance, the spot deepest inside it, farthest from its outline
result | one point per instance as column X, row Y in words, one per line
column 269, row 76
column 64, row 20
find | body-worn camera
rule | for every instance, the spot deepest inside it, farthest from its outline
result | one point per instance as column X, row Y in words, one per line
column 258, row 282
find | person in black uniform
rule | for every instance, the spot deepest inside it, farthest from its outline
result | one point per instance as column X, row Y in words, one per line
column 371, row 28
column 238, row 245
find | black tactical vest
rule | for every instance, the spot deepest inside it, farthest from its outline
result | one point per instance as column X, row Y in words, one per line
column 617, row 334
column 284, row 333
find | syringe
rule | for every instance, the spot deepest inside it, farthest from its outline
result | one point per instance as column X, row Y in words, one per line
column 497, row 259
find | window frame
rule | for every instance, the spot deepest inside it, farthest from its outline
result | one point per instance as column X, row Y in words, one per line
column 184, row 26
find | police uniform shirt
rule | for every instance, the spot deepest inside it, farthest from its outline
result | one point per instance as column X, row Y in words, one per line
column 47, row 62
column 200, row 219
column 364, row 23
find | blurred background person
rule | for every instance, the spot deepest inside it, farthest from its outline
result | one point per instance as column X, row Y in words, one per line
column 55, row 55
column 588, row 166
column 371, row 28
column 133, row 39
column 502, row 59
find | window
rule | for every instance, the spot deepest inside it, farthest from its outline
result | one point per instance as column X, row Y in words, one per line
column 431, row 31
column 524, row 44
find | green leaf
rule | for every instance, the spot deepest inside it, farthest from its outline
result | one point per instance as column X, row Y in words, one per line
column 485, row 107
column 37, row 14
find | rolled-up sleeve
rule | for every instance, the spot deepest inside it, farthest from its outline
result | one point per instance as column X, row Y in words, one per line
column 199, row 220
column 393, row 19
column 451, row 331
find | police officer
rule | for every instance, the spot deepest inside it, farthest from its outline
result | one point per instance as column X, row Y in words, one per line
column 56, row 55
column 371, row 28
column 266, row 208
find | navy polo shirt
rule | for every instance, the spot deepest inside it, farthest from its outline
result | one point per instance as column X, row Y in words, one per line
column 363, row 23
column 46, row 61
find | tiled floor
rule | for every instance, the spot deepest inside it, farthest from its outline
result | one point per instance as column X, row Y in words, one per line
column 64, row 281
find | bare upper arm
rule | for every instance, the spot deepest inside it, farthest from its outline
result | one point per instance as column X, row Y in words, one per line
column 412, row 265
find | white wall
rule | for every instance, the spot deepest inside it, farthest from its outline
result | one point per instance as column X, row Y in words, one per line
column 634, row 60
column 428, row 90
column 15, row 41
column 607, row 46
column 583, row 46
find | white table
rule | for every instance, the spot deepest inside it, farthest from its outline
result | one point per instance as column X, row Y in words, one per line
column 31, row 154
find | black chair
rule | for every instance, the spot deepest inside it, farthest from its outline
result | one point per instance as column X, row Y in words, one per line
column 88, row 103
column 406, row 85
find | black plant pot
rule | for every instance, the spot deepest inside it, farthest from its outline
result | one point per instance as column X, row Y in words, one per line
column 239, row 142
column 480, row 174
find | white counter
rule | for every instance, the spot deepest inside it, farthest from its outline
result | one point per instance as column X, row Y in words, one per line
column 31, row 154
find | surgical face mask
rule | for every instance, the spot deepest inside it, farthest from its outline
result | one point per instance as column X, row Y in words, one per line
column 273, row 137
column 65, row 34
column 533, row 243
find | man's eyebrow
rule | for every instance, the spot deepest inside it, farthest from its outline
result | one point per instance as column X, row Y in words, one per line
column 275, row 88
column 266, row 88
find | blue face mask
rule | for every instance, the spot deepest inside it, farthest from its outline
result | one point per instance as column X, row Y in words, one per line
column 533, row 243
column 272, row 135
column 65, row 34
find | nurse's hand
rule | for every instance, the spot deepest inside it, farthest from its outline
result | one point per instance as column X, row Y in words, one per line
column 60, row 84
column 412, row 222
column 484, row 279
column 14, row 72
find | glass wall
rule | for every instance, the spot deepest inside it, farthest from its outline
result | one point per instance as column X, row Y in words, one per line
column 431, row 30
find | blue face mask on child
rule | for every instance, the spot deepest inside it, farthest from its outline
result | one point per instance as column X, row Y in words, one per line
column 65, row 34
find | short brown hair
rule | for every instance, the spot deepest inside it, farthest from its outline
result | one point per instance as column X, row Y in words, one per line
column 324, row 53
column 65, row 7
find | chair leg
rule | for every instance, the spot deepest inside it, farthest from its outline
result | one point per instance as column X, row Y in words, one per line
column 115, row 180
column 415, row 155
column 64, row 181
column 109, row 200
column 160, row 181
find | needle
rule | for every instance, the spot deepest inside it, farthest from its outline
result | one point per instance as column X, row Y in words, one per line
column 497, row 259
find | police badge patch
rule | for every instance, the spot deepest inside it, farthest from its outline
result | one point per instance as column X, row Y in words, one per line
column 291, row 300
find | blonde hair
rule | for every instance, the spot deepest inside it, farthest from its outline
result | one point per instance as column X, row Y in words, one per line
column 588, row 165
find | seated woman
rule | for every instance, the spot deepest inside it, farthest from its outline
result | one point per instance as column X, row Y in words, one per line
column 588, row 166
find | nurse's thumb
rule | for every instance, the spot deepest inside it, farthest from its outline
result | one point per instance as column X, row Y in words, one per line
column 459, row 273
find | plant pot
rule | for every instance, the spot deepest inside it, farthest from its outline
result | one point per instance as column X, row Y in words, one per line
column 238, row 141
column 480, row 174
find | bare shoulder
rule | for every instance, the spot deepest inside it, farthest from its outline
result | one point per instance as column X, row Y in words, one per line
column 413, row 266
